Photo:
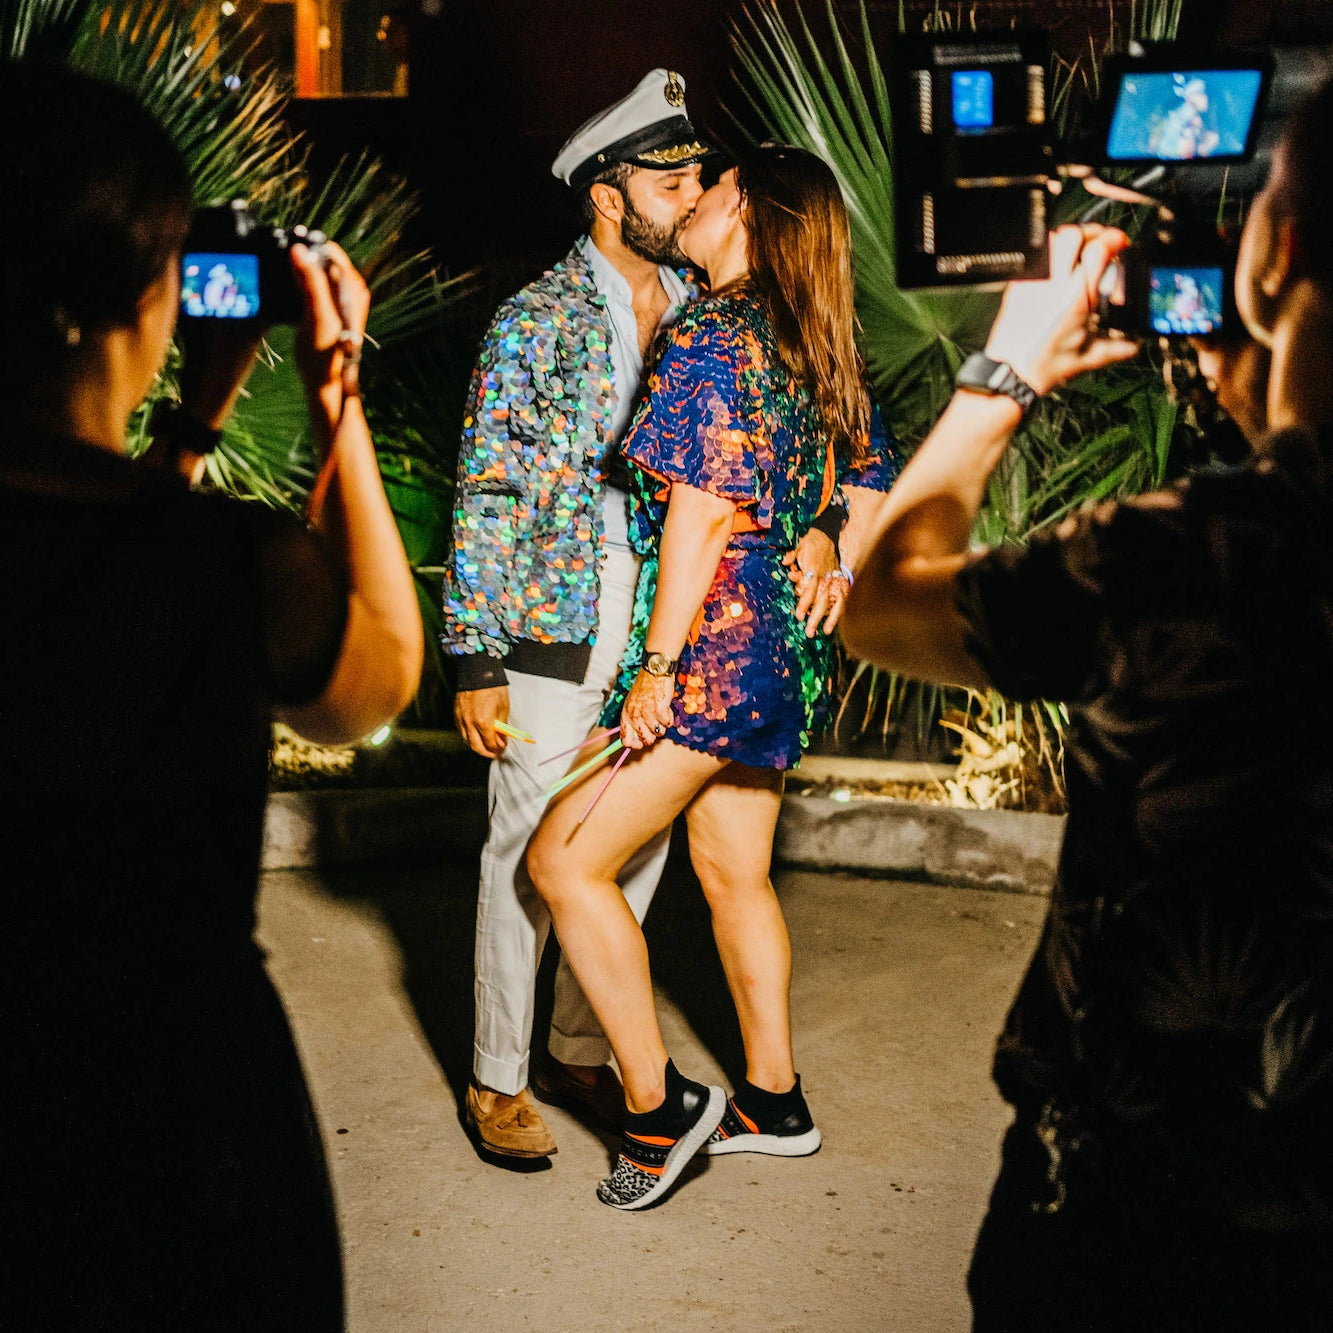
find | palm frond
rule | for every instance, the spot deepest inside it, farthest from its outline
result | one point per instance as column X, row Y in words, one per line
column 913, row 340
column 227, row 116
column 1107, row 435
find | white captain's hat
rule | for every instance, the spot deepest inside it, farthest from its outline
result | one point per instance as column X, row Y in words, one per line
column 649, row 128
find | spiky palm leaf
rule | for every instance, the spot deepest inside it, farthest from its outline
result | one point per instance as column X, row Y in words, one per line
column 228, row 120
column 826, row 108
column 1108, row 435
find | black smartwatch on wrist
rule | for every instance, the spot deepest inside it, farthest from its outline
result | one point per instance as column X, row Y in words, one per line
column 980, row 374
column 178, row 432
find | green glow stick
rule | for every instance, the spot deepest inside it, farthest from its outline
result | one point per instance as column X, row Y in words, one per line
column 583, row 768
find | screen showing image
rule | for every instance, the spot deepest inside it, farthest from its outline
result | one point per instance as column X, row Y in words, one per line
column 973, row 99
column 1189, row 114
column 220, row 286
column 1185, row 300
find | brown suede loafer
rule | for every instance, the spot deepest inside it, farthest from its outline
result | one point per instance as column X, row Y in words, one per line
column 508, row 1126
column 602, row 1102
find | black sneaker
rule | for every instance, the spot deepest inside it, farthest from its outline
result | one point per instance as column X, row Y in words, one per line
column 789, row 1133
column 650, row 1163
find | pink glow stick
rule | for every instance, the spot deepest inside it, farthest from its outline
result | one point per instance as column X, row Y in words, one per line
column 570, row 778
column 615, row 768
column 596, row 736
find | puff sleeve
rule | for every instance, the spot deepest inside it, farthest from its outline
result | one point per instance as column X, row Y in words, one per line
column 702, row 421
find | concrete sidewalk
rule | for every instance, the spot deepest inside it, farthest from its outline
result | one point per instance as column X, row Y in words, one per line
column 899, row 989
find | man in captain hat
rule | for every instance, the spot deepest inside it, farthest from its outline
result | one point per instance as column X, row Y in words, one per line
column 539, row 595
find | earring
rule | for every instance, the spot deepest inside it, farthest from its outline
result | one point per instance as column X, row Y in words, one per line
column 70, row 333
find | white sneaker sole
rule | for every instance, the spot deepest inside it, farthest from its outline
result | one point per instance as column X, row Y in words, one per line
column 773, row 1145
column 686, row 1146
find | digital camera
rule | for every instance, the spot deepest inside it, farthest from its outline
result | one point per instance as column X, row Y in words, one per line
column 977, row 169
column 1199, row 116
column 232, row 268
column 1174, row 282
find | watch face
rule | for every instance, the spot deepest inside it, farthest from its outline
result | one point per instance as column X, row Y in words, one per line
column 659, row 664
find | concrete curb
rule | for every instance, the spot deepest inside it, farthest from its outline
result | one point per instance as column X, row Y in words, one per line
column 339, row 827
column 992, row 849
column 987, row 849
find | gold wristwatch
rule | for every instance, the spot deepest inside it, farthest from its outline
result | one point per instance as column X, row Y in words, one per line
column 659, row 664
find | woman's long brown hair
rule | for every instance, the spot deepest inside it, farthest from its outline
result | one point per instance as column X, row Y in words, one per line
column 800, row 258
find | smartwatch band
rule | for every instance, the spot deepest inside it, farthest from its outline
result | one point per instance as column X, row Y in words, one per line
column 980, row 374
column 178, row 432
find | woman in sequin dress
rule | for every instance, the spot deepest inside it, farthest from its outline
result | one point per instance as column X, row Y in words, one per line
column 735, row 451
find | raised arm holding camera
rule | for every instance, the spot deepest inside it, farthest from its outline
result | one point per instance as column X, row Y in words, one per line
column 1168, row 1056
column 165, row 1168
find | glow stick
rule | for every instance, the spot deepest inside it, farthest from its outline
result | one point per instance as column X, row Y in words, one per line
column 505, row 729
column 615, row 768
column 582, row 769
column 596, row 736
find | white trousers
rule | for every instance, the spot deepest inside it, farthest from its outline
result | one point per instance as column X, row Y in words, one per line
column 512, row 923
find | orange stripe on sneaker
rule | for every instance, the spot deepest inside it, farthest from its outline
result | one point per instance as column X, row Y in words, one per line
column 655, row 1140
column 649, row 1170
column 745, row 1119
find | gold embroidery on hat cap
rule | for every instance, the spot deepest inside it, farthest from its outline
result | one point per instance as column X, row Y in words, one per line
column 675, row 90
column 665, row 157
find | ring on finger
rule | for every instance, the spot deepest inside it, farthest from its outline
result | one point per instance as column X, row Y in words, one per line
column 660, row 729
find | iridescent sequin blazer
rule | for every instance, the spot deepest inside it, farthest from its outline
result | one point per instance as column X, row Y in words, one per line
column 532, row 469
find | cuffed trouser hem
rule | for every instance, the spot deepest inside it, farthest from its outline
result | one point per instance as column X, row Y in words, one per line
column 499, row 1075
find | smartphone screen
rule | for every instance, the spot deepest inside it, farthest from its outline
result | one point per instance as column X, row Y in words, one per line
column 1183, row 115
column 973, row 99
column 219, row 286
column 1185, row 300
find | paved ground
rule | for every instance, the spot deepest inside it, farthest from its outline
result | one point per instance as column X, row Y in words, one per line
column 899, row 989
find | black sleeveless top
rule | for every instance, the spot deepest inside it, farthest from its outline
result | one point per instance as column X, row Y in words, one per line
column 155, row 1093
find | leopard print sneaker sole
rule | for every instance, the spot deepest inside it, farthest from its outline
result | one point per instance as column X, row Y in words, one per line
column 649, row 1166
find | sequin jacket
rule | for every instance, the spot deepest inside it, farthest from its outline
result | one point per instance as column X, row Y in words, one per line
column 532, row 469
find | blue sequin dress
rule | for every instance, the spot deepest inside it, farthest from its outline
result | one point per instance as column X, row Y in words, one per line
column 722, row 414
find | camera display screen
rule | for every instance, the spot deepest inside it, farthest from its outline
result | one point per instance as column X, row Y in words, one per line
column 220, row 286
column 1182, row 115
column 1185, row 300
column 973, row 99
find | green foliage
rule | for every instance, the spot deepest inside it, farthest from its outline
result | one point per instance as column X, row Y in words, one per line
column 1154, row 20
column 1107, row 435
column 913, row 340
column 228, row 120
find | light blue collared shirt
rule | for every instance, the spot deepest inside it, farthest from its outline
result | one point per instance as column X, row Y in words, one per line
column 626, row 364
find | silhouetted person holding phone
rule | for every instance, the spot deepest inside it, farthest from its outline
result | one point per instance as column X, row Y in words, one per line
column 164, row 1168
column 1169, row 1056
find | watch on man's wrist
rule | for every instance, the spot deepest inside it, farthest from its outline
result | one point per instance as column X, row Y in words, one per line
column 998, row 379
column 659, row 664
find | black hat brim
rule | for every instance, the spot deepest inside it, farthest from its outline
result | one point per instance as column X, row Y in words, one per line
column 665, row 145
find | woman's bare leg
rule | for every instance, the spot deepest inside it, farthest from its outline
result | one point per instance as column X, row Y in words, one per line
column 574, row 868
column 732, row 821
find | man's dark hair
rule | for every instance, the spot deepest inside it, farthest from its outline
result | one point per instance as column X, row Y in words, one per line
column 617, row 177
column 99, row 203
column 1306, row 191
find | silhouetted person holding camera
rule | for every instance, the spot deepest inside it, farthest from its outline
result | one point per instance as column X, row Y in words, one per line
column 1169, row 1056
column 163, row 1166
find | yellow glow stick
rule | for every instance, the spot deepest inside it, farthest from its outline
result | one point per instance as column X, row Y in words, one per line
column 584, row 768
column 505, row 729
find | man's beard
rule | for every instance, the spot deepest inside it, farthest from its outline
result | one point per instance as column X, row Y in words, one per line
column 650, row 240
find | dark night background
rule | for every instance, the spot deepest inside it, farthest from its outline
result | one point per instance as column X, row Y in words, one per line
column 496, row 88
